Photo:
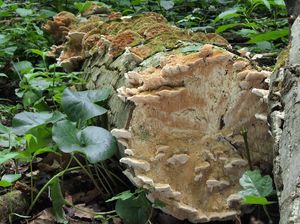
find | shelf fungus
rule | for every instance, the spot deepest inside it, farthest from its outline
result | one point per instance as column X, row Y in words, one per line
column 189, row 111
column 178, row 106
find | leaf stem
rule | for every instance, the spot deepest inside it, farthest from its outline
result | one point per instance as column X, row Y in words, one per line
column 244, row 133
column 90, row 175
column 47, row 184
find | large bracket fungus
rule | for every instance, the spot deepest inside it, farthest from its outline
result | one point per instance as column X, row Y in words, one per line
column 179, row 106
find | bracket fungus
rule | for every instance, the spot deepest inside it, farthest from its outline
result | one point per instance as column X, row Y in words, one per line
column 195, row 107
column 178, row 112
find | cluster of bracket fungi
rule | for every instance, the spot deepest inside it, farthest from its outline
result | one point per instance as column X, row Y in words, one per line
column 183, row 141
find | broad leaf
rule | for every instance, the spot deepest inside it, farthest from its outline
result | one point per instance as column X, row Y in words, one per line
column 271, row 35
column 42, row 135
column 255, row 200
column 80, row 106
column 25, row 121
column 255, row 185
column 134, row 210
column 96, row 143
column 58, row 201
column 23, row 66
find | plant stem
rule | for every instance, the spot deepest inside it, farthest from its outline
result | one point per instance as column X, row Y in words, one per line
column 88, row 174
column 47, row 184
column 31, row 181
column 244, row 133
column 100, row 180
column 267, row 213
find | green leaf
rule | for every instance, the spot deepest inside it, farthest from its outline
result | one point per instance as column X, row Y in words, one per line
column 23, row 66
column 81, row 7
column 134, row 210
column 39, row 52
column 228, row 14
column 96, row 143
column 10, row 50
column 4, row 129
column 4, row 183
column 256, row 200
column 80, row 106
column 121, row 196
column 222, row 28
column 267, row 4
column 279, row 2
column 271, row 35
column 24, row 12
column 6, row 155
column 42, row 135
column 3, row 39
column 11, row 177
column 24, row 121
column 58, row 201
column 167, row 4
column 254, row 184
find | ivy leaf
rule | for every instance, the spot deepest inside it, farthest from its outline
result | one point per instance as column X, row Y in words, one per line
column 81, row 106
column 255, row 200
column 256, row 185
column 96, row 143
column 24, row 121
column 135, row 210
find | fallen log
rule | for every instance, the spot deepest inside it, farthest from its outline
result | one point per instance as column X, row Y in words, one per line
column 180, row 101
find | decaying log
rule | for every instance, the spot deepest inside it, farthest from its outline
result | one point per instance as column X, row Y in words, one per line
column 179, row 104
column 284, row 110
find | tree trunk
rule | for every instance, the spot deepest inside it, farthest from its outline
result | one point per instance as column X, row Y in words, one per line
column 284, row 110
column 178, row 107
column 293, row 7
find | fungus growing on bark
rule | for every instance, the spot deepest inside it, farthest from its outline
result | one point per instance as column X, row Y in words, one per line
column 183, row 136
column 195, row 107
column 61, row 24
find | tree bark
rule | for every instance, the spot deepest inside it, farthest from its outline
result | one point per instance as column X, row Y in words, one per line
column 293, row 8
column 284, row 113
